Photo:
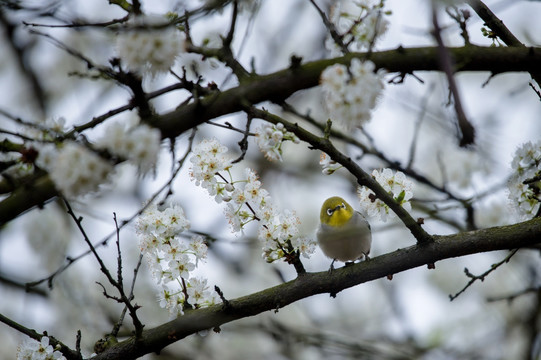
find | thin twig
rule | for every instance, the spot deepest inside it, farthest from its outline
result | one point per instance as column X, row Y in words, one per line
column 482, row 277
column 416, row 131
column 467, row 131
column 338, row 38
column 513, row 296
column 243, row 143
column 119, row 257
column 118, row 285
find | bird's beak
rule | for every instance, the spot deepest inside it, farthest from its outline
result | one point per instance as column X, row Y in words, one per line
column 336, row 208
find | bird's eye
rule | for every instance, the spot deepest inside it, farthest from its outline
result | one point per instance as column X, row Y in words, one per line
column 343, row 206
column 330, row 211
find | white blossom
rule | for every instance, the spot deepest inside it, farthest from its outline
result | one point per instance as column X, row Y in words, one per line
column 47, row 130
column 269, row 138
column 306, row 245
column 329, row 166
column 75, row 170
column 170, row 257
column 396, row 184
column 247, row 201
column 165, row 224
column 199, row 293
column 359, row 23
column 351, row 94
column 48, row 233
column 139, row 144
column 207, row 160
column 525, row 184
column 149, row 44
column 31, row 349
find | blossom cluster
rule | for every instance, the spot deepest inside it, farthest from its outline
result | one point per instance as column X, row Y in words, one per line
column 329, row 166
column 525, row 183
column 138, row 144
column 74, row 169
column 31, row 349
column 172, row 258
column 208, row 159
column 351, row 93
column 269, row 138
column 247, row 201
column 396, row 184
column 359, row 23
column 149, row 45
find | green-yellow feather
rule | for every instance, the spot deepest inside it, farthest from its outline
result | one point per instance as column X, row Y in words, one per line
column 339, row 216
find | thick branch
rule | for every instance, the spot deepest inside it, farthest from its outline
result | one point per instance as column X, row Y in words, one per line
column 494, row 23
column 499, row 28
column 444, row 247
column 280, row 85
column 36, row 193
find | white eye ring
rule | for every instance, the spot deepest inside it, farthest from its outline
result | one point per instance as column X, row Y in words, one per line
column 343, row 206
column 330, row 212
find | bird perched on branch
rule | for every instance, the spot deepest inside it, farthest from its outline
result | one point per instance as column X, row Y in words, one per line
column 343, row 233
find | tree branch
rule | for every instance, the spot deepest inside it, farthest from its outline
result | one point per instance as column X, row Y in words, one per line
column 467, row 131
column 494, row 23
column 362, row 177
column 280, row 85
column 498, row 27
column 444, row 247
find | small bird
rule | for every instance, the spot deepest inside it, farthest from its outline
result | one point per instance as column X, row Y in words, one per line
column 343, row 233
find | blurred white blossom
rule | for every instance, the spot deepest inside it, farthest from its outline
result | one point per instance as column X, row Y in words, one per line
column 149, row 44
column 396, row 184
column 461, row 165
column 269, row 138
column 360, row 23
column 351, row 94
column 48, row 233
column 525, row 183
column 48, row 129
column 139, row 144
column 31, row 349
column 74, row 169
column 247, row 201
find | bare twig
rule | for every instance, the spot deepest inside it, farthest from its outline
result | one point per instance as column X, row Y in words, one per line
column 482, row 277
column 115, row 283
column 243, row 143
column 513, row 296
column 338, row 38
column 22, row 55
column 461, row 17
column 467, row 131
column 420, row 118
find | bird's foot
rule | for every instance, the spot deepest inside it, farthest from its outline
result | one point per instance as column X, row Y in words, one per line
column 331, row 268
